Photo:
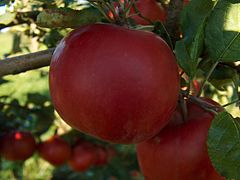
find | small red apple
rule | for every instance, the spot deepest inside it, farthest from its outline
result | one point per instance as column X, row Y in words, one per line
column 83, row 157
column 17, row 145
column 149, row 9
column 55, row 150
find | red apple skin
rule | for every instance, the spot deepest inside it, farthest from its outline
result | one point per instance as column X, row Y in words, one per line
column 55, row 150
column 111, row 82
column 17, row 145
column 149, row 9
column 83, row 157
column 179, row 151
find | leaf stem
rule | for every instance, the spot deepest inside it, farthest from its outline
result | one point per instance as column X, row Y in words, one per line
column 233, row 102
column 207, row 78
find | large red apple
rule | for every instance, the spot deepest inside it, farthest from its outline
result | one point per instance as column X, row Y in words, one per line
column 179, row 151
column 55, row 150
column 114, row 83
column 17, row 145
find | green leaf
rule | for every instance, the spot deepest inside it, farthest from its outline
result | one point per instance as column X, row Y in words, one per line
column 193, row 22
column 197, row 44
column 7, row 18
column 223, row 32
column 20, row 86
column 194, row 16
column 224, row 145
column 184, row 59
column 68, row 18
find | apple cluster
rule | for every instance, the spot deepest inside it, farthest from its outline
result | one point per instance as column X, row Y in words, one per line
column 21, row 145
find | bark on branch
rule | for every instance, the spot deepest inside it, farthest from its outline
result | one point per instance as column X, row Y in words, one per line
column 24, row 63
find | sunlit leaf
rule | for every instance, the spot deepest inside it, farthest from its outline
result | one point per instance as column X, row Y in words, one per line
column 7, row 18
column 223, row 32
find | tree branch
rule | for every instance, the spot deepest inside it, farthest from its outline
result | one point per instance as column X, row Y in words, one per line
column 173, row 19
column 24, row 63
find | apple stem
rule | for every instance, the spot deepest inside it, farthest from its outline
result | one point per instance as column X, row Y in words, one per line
column 183, row 107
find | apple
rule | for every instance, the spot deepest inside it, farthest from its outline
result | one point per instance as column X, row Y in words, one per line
column 83, row 157
column 114, row 83
column 179, row 151
column 149, row 9
column 17, row 145
column 55, row 150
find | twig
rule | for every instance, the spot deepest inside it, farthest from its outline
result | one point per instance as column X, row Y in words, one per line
column 24, row 63
column 202, row 103
column 205, row 105
column 173, row 19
